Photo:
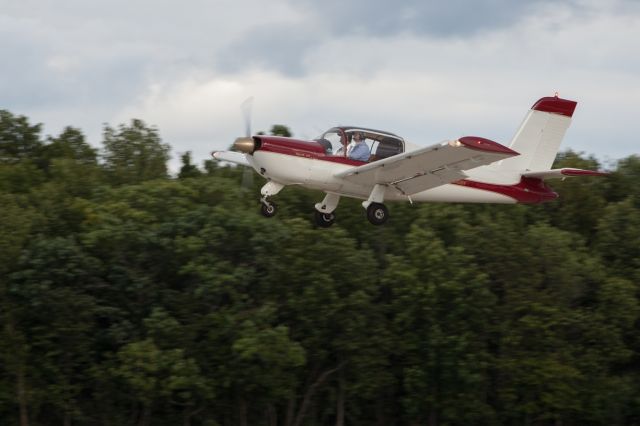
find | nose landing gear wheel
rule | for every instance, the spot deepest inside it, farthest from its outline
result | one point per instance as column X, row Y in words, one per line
column 324, row 220
column 377, row 213
column 268, row 209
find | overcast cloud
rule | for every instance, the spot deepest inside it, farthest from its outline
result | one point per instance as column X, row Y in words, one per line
column 425, row 70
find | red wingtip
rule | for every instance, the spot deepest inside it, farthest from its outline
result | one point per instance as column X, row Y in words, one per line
column 580, row 172
column 482, row 144
column 555, row 105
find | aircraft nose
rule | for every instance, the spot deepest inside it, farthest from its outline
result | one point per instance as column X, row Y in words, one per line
column 244, row 144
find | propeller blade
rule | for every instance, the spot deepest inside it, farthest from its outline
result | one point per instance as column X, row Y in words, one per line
column 247, row 105
column 247, row 179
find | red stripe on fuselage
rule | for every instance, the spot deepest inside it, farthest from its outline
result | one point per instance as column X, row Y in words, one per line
column 527, row 191
column 300, row 148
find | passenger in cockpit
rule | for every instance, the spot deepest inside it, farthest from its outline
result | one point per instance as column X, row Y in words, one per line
column 360, row 150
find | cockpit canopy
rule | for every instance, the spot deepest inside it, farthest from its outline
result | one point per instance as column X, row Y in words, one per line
column 338, row 141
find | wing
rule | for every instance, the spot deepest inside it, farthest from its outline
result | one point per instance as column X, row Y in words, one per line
column 426, row 168
column 231, row 157
column 562, row 173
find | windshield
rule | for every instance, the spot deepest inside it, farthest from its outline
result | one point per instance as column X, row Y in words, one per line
column 376, row 145
column 332, row 141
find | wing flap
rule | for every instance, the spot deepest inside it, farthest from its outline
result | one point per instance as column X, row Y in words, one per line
column 429, row 180
column 429, row 167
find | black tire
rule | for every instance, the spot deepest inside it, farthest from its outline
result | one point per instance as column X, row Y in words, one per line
column 268, row 210
column 377, row 213
column 324, row 220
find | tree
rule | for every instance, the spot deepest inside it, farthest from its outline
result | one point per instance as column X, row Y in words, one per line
column 622, row 182
column 582, row 201
column 442, row 309
column 16, row 223
column 20, row 153
column 71, row 144
column 153, row 375
column 72, row 170
column 281, row 130
column 52, row 307
column 188, row 170
column 134, row 153
column 18, row 139
column 618, row 238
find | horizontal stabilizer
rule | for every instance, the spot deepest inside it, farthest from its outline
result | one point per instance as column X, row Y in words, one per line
column 562, row 173
column 231, row 157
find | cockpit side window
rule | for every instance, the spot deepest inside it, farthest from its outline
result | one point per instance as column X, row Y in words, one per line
column 388, row 147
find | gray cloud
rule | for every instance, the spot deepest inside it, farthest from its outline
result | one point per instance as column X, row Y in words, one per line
column 281, row 49
column 452, row 18
column 284, row 46
column 423, row 69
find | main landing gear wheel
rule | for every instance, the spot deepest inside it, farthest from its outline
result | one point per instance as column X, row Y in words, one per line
column 324, row 220
column 377, row 213
column 268, row 209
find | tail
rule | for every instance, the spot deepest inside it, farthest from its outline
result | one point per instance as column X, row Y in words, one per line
column 540, row 134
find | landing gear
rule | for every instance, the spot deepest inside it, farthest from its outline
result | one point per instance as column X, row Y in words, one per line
column 377, row 213
column 324, row 220
column 324, row 214
column 268, row 209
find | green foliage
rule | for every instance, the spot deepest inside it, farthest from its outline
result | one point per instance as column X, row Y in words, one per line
column 71, row 145
column 15, row 226
column 134, row 153
column 18, row 139
column 128, row 297
column 582, row 201
column 281, row 130
column 619, row 237
column 443, row 308
column 188, row 170
column 152, row 374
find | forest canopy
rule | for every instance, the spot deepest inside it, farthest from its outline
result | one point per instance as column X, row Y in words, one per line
column 132, row 297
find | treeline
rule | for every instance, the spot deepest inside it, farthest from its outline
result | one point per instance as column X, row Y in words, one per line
column 129, row 297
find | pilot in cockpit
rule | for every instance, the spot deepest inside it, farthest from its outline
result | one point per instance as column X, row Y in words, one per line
column 360, row 150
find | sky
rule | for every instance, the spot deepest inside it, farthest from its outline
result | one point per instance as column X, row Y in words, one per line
column 425, row 70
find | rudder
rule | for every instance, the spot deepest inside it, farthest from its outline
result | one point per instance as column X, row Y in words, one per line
column 540, row 134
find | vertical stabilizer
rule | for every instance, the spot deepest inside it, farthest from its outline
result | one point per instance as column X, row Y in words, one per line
column 539, row 137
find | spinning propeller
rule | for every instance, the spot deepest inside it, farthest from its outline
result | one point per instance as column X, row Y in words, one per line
column 246, row 143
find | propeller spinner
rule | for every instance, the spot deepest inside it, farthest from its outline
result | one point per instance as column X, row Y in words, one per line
column 244, row 144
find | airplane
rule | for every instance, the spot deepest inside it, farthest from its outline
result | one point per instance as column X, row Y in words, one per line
column 468, row 169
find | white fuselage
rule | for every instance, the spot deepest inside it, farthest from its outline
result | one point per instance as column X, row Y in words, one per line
column 320, row 175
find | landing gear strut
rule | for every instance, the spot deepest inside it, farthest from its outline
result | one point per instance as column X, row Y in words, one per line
column 377, row 213
column 324, row 214
column 268, row 208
